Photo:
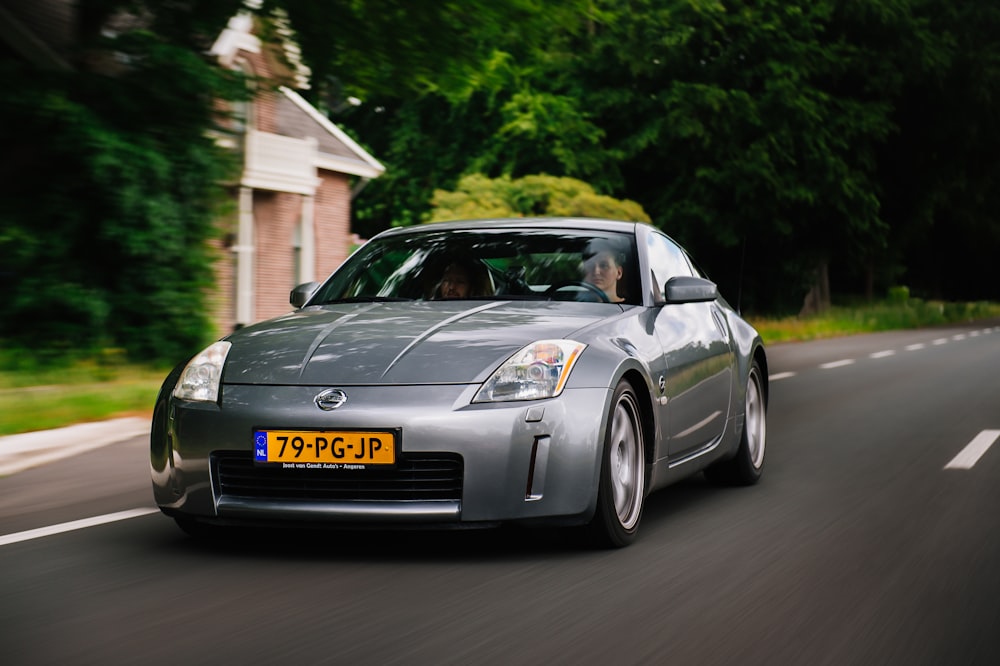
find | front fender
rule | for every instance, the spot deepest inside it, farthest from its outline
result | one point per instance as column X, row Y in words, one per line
column 159, row 438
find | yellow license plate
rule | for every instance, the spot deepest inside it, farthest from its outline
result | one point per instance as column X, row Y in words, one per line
column 324, row 449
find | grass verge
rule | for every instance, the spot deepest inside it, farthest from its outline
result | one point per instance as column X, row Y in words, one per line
column 39, row 399
column 888, row 316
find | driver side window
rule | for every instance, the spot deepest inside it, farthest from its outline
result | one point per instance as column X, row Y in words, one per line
column 666, row 260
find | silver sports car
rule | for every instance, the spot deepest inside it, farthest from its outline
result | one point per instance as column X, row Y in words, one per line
column 467, row 374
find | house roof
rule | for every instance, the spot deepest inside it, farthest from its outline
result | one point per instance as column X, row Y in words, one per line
column 297, row 118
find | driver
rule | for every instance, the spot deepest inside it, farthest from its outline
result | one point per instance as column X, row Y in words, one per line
column 603, row 269
column 463, row 279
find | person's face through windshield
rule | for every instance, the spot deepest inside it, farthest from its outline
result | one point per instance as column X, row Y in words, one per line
column 455, row 282
column 604, row 272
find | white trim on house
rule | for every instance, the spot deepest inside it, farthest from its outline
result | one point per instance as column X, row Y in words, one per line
column 280, row 163
column 329, row 162
column 307, row 242
column 245, row 250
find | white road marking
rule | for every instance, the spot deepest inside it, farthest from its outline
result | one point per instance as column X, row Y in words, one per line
column 974, row 450
column 781, row 375
column 837, row 364
column 75, row 525
column 885, row 353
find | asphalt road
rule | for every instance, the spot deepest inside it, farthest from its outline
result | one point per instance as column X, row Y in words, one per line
column 859, row 546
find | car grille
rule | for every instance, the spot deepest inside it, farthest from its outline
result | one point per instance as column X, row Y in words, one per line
column 414, row 477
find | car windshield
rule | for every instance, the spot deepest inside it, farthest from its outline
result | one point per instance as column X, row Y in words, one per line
column 533, row 264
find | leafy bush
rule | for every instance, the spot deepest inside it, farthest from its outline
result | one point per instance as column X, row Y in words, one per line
column 478, row 197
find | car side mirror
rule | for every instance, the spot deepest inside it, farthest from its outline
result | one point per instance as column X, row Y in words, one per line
column 689, row 289
column 301, row 294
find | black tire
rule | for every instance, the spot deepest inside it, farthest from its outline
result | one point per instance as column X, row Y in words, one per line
column 622, row 486
column 199, row 530
column 746, row 467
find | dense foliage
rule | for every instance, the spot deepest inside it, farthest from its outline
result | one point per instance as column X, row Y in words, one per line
column 785, row 142
column 111, row 189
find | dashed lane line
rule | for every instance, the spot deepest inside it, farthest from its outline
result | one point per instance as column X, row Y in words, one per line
column 781, row 375
column 837, row 364
column 886, row 353
column 974, row 450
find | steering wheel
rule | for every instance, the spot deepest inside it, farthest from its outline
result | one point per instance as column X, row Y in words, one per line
column 577, row 283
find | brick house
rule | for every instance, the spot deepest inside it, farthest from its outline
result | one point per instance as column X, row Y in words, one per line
column 300, row 171
column 294, row 198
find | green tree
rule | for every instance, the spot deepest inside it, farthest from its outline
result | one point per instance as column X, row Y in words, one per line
column 424, row 46
column 506, row 128
column 750, row 121
column 506, row 116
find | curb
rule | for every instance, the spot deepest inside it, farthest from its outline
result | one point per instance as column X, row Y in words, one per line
column 32, row 449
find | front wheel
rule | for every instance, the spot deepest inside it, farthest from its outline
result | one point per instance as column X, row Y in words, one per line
column 622, row 484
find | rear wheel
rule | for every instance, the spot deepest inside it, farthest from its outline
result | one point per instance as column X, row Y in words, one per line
column 748, row 464
column 622, row 484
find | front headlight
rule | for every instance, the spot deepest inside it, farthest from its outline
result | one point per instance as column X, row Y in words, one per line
column 202, row 376
column 537, row 371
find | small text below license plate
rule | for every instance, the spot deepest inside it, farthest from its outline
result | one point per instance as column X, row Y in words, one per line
column 318, row 446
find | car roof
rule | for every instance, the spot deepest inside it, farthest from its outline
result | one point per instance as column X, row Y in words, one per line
column 580, row 223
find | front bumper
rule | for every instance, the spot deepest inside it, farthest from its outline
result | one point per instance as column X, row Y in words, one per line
column 537, row 460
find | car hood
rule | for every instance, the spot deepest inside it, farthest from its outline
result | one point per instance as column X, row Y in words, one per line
column 398, row 343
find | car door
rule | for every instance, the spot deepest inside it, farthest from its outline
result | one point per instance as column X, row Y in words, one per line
column 698, row 355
